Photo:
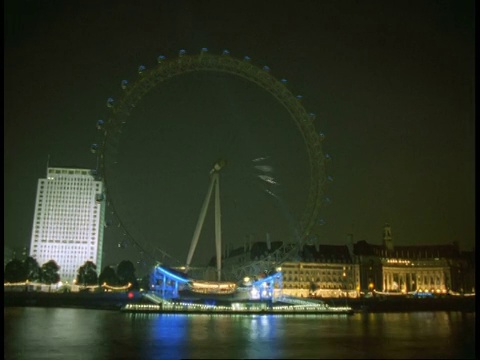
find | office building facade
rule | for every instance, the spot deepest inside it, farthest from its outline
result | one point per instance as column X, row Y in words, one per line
column 68, row 221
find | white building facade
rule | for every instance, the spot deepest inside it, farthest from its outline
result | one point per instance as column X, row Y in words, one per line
column 68, row 221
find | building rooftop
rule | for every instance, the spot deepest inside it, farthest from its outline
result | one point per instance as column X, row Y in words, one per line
column 408, row 251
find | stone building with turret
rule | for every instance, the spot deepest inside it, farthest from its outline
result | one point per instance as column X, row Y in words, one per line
column 414, row 268
column 354, row 268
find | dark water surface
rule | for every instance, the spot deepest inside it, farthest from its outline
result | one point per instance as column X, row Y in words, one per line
column 56, row 333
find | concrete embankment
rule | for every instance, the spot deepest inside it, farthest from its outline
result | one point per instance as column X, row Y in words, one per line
column 403, row 304
column 107, row 300
column 115, row 301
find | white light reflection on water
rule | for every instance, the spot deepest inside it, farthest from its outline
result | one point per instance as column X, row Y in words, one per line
column 38, row 333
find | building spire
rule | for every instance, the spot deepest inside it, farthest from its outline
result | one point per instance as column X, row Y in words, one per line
column 387, row 237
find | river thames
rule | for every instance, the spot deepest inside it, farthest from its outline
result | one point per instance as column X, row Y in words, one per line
column 59, row 333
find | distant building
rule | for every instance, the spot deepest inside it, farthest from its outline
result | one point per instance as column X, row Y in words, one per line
column 322, row 271
column 354, row 268
column 422, row 268
column 253, row 258
column 68, row 220
column 311, row 270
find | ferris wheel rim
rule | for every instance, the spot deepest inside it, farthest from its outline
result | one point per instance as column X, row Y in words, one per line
column 206, row 62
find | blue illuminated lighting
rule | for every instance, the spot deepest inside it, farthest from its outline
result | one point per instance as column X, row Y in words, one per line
column 267, row 279
column 170, row 275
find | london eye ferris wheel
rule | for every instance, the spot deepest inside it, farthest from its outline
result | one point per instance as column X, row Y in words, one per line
column 165, row 129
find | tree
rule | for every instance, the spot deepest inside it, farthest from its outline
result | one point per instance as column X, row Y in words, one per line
column 108, row 276
column 126, row 274
column 32, row 269
column 49, row 272
column 87, row 274
column 14, row 272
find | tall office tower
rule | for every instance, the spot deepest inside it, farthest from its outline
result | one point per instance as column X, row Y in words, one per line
column 68, row 220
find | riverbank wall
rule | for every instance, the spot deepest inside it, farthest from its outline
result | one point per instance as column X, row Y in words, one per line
column 405, row 304
column 116, row 301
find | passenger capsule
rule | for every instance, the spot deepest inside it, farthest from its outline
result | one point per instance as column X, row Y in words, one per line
column 226, row 52
column 247, row 58
column 204, row 50
column 182, row 52
column 284, row 81
column 321, row 136
column 312, row 116
column 160, row 59
column 110, row 102
column 100, row 124
column 124, row 84
column 94, row 148
column 141, row 69
column 266, row 68
column 328, row 157
column 299, row 97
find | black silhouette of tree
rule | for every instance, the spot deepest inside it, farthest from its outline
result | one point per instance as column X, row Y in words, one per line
column 108, row 276
column 49, row 272
column 32, row 269
column 126, row 274
column 87, row 274
column 14, row 272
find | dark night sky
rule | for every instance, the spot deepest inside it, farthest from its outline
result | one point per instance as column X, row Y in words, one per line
column 391, row 83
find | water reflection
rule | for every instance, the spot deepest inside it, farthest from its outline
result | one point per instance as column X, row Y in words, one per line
column 36, row 333
column 261, row 334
